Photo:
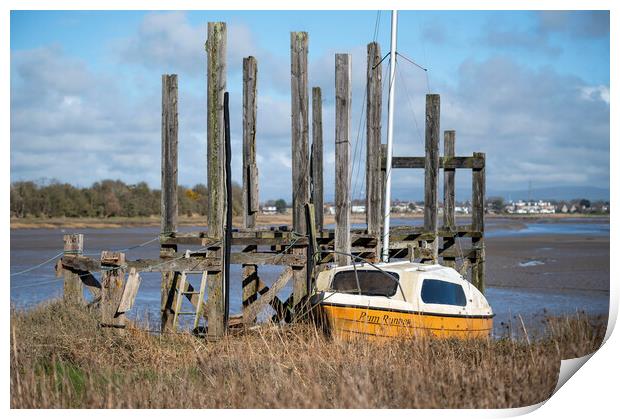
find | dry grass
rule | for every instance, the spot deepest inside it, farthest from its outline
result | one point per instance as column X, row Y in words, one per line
column 61, row 358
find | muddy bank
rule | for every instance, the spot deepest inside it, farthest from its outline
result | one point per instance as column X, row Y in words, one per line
column 554, row 261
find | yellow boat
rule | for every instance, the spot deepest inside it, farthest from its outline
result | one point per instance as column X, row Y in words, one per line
column 401, row 299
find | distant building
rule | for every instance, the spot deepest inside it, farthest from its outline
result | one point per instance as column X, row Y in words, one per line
column 564, row 209
column 530, row 207
column 269, row 210
column 358, row 209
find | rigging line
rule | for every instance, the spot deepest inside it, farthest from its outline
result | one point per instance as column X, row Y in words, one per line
column 384, row 57
column 37, row 266
column 363, row 183
column 377, row 23
column 412, row 62
column 415, row 119
column 126, row 248
column 428, row 85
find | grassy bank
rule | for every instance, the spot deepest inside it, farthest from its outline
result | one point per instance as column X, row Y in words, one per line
column 61, row 358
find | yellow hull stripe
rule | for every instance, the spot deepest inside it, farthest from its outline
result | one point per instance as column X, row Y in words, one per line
column 347, row 321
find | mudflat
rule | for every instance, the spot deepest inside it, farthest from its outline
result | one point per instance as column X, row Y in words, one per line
column 550, row 261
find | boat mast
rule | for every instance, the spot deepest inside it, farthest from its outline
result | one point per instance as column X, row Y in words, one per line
column 387, row 205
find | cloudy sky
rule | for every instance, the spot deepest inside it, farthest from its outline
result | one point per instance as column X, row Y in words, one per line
column 531, row 89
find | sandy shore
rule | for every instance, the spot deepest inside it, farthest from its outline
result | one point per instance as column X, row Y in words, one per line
column 493, row 221
column 558, row 261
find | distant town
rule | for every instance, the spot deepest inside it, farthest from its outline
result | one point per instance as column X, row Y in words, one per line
column 494, row 205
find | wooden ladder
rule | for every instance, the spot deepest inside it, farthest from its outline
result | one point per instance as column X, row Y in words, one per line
column 181, row 292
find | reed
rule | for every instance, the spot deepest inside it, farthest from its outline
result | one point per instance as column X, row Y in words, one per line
column 60, row 357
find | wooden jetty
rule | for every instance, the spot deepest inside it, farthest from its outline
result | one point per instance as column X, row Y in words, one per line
column 307, row 246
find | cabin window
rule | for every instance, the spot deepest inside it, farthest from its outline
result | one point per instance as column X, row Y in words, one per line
column 435, row 291
column 374, row 282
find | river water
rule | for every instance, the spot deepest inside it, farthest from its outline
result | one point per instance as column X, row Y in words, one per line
column 29, row 247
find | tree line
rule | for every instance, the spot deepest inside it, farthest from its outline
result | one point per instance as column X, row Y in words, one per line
column 108, row 198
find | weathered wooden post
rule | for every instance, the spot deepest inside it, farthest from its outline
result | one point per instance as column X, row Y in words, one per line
column 299, row 138
column 317, row 156
column 73, row 289
column 112, row 285
column 216, row 210
column 448, row 199
column 431, row 170
column 373, row 139
column 250, row 174
column 342, row 236
column 477, row 223
column 169, row 179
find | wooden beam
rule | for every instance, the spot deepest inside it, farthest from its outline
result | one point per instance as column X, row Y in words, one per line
column 373, row 138
column 342, row 242
column 431, row 168
column 73, row 290
column 250, row 171
column 448, row 197
column 457, row 162
column 317, row 156
column 169, row 181
column 112, row 284
column 216, row 176
column 299, row 128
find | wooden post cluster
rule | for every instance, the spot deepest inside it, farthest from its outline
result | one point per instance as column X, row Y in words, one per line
column 73, row 290
column 431, row 169
column 301, row 161
column 308, row 231
column 374, row 94
column 169, row 181
column 448, row 198
column 477, row 223
column 317, row 156
column 216, row 87
column 342, row 236
column 250, row 174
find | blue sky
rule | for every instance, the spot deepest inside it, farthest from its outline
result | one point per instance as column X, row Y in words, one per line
column 531, row 89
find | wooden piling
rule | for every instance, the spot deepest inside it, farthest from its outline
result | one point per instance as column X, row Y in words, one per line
column 300, row 158
column 342, row 236
column 73, row 289
column 250, row 181
column 299, row 128
column 112, row 285
column 448, row 198
column 250, row 174
column 373, row 139
column 169, row 180
column 216, row 87
column 477, row 224
column 431, row 169
column 317, row 156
